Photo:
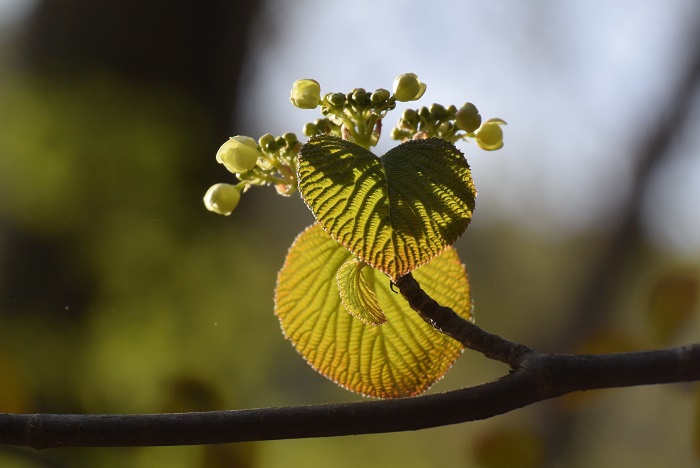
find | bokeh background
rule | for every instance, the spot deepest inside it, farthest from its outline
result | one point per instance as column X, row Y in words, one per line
column 119, row 293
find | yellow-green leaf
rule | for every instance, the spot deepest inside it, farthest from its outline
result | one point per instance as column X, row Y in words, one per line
column 396, row 212
column 357, row 295
column 401, row 358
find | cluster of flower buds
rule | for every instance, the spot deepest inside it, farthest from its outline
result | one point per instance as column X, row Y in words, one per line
column 451, row 124
column 355, row 116
column 269, row 161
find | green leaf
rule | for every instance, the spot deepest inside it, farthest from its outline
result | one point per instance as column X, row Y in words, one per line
column 401, row 358
column 396, row 212
column 357, row 295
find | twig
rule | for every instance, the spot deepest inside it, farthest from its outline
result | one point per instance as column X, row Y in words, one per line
column 535, row 377
column 540, row 377
column 448, row 322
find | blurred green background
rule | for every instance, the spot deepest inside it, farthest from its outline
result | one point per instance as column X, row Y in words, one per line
column 119, row 293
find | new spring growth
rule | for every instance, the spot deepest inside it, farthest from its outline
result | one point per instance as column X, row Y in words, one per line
column 222, row 198
column 355, row 116
column 306, row 94
column 468, row 118
column 269, row 161
column 408, row 87
column 451, row 124
column 490, row 135
column 238, row 154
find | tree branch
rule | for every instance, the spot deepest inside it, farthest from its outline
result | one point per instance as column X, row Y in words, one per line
column 448, row 322
column 539, row 377
column 535, row 377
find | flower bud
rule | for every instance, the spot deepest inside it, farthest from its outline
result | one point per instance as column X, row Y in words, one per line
column 267, row 142
column 323, row 125
column 306, row 94
column 358, row 96
column 239, row 154
column 399, row 134
column 407, row 87
column 336, row 99
column 410, row 116
column 380, row 96
column 309, row 129
column 445, row 128
column 222, row 198
column 404, row 124
column 437, row 112
column 468, row 117
column 290, row 138
column 490, row 135
column 424, row 113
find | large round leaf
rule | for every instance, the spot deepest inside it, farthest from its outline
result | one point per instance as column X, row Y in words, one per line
column 396, row 212
column 402, row 357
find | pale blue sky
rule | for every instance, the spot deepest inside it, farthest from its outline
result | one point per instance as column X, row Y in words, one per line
column 577, row 81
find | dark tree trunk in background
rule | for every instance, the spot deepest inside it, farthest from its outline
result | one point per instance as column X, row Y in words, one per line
column 196, row 48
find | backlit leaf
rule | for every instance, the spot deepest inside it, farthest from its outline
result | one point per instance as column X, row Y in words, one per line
column 401, row 358
column 396, row 212
column 357, row 295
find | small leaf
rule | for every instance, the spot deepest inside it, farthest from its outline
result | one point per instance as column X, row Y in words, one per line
column 357, row 295
column 396, row 212
column 401, row 358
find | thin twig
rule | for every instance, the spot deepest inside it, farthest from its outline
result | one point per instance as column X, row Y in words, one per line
column 450, row 323
column 535, row 377
column 540, row 377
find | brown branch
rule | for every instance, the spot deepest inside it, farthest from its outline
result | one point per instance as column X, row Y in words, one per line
column 535, row 377
column 448, row 322
column 539, row 377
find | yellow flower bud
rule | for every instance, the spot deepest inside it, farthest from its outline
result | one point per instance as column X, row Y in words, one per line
column 407, row 87
column 490, row 135
column 306, row 94
column 239, row 154
column 468, row 118
column 222, row 198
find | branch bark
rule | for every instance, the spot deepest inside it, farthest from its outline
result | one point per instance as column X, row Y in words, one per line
column 535, row 377
column 539, row 377
column 450, row 323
